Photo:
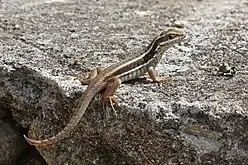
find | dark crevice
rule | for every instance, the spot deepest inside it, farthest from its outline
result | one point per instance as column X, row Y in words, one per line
column 29, row 155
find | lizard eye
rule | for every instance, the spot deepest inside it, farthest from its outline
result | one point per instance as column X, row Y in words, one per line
column 171, row 36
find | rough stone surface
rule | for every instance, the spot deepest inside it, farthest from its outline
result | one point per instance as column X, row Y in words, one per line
column 196, row 118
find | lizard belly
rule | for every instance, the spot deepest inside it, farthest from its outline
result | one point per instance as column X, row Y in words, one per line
column 133, row 74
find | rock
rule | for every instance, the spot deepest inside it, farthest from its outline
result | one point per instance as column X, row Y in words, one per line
column 196, row 118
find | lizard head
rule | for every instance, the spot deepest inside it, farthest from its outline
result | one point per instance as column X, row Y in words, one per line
column 165, row 40
column 170, row 37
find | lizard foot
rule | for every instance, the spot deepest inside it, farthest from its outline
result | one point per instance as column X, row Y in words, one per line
column 84, row 81
column 161, row 80
column 112, row 100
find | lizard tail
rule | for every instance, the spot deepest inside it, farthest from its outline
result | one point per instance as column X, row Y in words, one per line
column 88, row 95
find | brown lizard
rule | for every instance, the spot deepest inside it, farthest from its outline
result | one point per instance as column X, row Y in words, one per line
column 110, row 78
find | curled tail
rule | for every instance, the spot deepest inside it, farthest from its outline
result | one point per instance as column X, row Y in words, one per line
column 81, row 108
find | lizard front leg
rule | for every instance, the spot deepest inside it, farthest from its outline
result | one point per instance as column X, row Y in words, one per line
column 92, row 75
column 153, row 75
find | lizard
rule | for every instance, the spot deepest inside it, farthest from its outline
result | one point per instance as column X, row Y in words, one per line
column 106, row 81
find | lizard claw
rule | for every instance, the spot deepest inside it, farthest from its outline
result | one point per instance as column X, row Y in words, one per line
column 112, row 100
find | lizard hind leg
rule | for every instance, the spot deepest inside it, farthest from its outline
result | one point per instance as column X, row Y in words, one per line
column 108, row 96
column 92, row 75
